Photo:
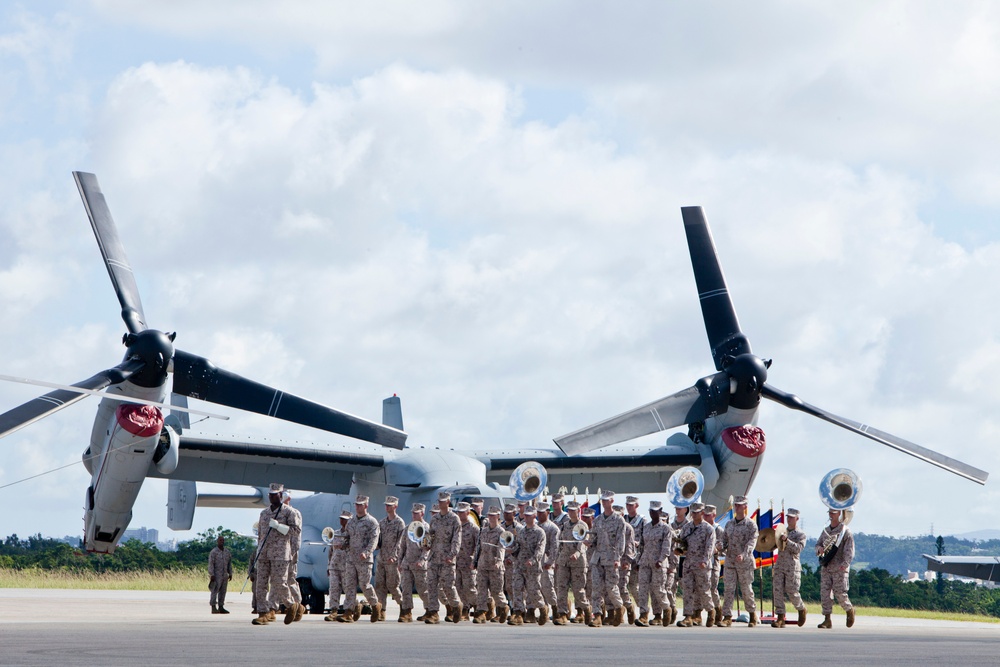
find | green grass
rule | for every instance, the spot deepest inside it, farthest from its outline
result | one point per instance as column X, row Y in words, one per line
column 169, row 580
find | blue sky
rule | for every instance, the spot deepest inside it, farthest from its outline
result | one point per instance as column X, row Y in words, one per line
column 476, row 206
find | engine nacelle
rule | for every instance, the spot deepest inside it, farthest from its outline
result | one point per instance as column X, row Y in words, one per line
column 167, row 454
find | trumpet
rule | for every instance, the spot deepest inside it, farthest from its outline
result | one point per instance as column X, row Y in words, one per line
column 685, row 486
column 419, row 532
column 528, row 481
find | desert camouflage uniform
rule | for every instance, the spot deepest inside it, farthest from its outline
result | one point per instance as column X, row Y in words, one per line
column 701, row 544
column 529, row 548
column 391, row 536
column 629, row 583
column 465, row 566
column 275, row 552
column 739, row 539
column 680, row 529
column 713, row 583
column 363, row 537
column 608, row 548
column 549, row 563
column 489, row 568
column 657, row 546
column 414, row 574
column 446, row 539
column 220, row 569
column 571, row 573
column 835, row 576
column 509, row 565
column 293, row 563
column 335, row 568
column 787, row 573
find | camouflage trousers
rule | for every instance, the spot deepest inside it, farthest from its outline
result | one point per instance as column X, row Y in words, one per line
column 387, row 579
column 549, row 586
column 273, row 575
column 336, row 576
column 695, row 585
column 651, row 586
column 411, row 579
column 490, row 585
column 293, row 579
column 834, row 584
column 358, row 573
column 625, row 585
column 441, row 583
column 743, row 576
column 575, row 577
column 219, row 586
column 670, row 587
column 604, row 585
column 508, row 582
column 527, row 584
column 786, row 582
column 465, row 583
column 713, row 583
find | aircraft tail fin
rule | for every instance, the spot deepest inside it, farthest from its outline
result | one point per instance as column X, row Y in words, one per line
column 392, row 412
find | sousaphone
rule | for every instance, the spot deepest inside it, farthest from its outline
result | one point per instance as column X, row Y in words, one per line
column 528, row 481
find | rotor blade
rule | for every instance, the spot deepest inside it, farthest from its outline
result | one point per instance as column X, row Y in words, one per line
column 930, row 456
column 112, row 250
column 708, row 397
column 43, row 406
column 199, row 378
column 721, row 324
column 114, row 397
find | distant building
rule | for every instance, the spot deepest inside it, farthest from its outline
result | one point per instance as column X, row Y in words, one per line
column 150, row 535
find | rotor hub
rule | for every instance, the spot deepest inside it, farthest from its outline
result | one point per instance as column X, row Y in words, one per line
column 155, row 349
column 747, row 375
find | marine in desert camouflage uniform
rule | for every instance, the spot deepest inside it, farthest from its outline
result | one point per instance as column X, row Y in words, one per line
column 391, row 543
column 465, row 565
column 363, row 532
column 834, row 578
column 657, row 546
column 220, row 573
column 571, row 569
column 529, row 555
column 606, row 553
column 787, row 571
column 446, row 539
column 413, row 574
column 739, row 540
column 713, row 583
column 697, row 567
column 293, row 564
column 489, row 570
column 551, row 554
column 630, row 569
column 275, row 530
column 335, row 566
column 511, row 524
column 680, row 525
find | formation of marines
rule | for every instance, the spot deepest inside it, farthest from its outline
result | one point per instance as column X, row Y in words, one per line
column 522, row 564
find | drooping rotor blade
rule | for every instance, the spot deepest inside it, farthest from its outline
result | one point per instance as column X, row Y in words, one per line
column 43, row 406
column 930, row 456
column 180, row 408
column 199, row 378
column 112, row 249
column 708, row 397
column 721, row 324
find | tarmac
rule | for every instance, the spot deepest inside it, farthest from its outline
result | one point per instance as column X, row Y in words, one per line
column 52, row 626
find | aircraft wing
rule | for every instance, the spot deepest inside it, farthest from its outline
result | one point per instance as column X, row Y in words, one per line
column 986, row 568
column 625, row 469
column 323, row 468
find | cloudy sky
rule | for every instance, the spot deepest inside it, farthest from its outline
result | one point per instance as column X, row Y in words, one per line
column 476, row 206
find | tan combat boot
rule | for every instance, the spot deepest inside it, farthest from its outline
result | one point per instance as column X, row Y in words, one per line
column 718, row 615
column 686, row 622
column 405, row 616
column 827, row 623
column 543, row 614
column 332, row 616
column 673, row 617
column 778, row 622
column 595, row 621
column 696, row 619
column 502, row 613
column 641, row 620
column 560, row 619
column 802, row 617
column 726, row 622
column 491, row 611
column 271, row 617
column 479, row 617
column 618, row 616
column 432, row 618
column 517, row 618
column 260, row 620
column 753, row 620
column 347, row 616
column 579, row 616
column 850, row 617
column 465, row 613
column 657, row 620
column 456, row 614
column 376, row 613
column 357, row 610
column 631, row 614
column 711, row 618
column 300, row 611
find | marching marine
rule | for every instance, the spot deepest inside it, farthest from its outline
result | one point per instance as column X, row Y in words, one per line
column 571, row 568
column 835, row 548
column 275, row 530
column 787, row 571
column 293, row 563
column 529, row 555
column 392, row 539
column 414, row 570
column 713, row 584
column 335, row 566
column 657, row 541
column 446, row 539
column 362, row 532
column 630, row 573
column 739, row 540
column 465, row 566
column 551, row 554
column 680, row 525
column 489, row 571
column 698, row 569
column 607, row 552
